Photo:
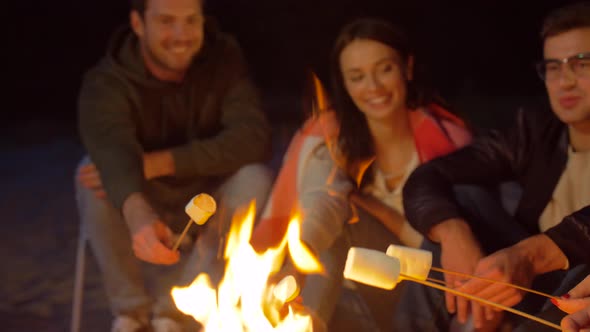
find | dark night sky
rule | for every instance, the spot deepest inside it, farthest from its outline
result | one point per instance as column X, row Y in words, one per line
column 479, row 52
column 475, row 48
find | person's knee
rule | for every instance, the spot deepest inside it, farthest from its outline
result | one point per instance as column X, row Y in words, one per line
column 252, row 181
column 254, row 173
column 333, row 259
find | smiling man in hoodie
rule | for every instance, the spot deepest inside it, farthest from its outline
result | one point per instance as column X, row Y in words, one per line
column 169, row 112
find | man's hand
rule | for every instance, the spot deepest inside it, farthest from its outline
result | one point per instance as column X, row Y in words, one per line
column 149, row 234
column 158, row 163
column 155, row 164
column 151, row 243
column 460, row 252
column 519, row 265
column 89, row 177
column 507, row 265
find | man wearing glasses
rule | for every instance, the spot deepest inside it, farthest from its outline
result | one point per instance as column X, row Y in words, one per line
column 547, row 240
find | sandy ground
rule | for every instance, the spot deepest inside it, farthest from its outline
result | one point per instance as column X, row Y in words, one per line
column 39, row 241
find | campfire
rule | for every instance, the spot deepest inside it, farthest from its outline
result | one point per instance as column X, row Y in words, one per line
column 244, row 299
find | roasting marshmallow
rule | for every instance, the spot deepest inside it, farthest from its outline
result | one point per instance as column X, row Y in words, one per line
column 414, row 263
column 372, row 267
column 200, row 208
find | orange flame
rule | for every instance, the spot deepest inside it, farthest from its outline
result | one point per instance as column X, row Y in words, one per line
column 330, row 127
column 321, row 103
column 244, row 301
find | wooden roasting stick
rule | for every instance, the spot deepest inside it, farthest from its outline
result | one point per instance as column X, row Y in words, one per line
column 465, row 275
column 419, row 262
column 437, row 281
column 434, row 283
column 182, row 235
column 482, row 300
column 386, row 270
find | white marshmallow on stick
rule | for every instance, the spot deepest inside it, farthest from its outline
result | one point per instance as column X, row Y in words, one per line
column 375, row 268
column 199, row 209
column 415, row 263
column 372, row 267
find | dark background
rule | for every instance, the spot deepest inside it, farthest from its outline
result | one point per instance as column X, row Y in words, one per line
column 479, row 53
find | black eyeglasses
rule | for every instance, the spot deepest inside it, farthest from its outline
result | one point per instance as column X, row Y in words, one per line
column 552, row 69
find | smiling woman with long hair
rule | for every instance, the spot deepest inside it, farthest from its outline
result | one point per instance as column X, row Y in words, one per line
column 351, row 163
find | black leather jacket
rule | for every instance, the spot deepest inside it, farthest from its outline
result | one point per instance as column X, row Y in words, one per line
column 533, row 153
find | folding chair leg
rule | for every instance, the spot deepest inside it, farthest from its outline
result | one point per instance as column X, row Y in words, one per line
column 79, row 281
